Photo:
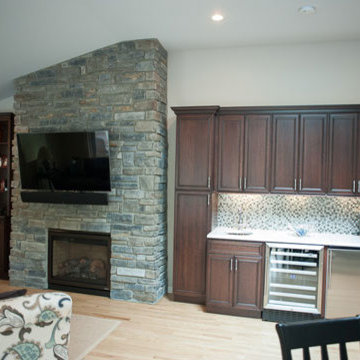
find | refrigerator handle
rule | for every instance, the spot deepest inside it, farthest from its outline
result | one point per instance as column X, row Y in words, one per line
column 329, row 263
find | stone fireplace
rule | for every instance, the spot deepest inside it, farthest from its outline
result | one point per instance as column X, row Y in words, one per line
column 121, row 89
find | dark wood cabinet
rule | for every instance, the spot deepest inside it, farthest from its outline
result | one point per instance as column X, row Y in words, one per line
column 219, row 288
column 235, row 277
column 195, row 148
column 230, row 154
column 284, row 153
column 289, row 150
column 299, row 153
column 194, row 182
column 358, row 156
column 4, row 246
column 312, row 154
column 257, row 153
column 244, row 153
column 248, row 284
column 6, row 136
column 342, row 154
column 192, row 224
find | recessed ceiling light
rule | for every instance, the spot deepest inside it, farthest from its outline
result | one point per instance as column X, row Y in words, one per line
column 217, row 17
column 307, row 10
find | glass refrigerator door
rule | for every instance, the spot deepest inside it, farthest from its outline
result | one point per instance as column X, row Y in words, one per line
column 293, row 278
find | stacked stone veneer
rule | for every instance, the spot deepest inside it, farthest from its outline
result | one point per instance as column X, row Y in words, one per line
column 122, row 89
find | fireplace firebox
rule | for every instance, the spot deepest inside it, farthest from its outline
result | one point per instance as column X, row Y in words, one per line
column 79, row 261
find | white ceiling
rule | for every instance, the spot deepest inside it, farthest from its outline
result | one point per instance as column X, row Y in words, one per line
column 38, row 33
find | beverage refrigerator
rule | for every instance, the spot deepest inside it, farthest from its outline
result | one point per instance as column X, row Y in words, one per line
column 293, row 282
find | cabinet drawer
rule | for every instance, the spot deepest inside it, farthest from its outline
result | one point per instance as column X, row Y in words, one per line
column 234, row 247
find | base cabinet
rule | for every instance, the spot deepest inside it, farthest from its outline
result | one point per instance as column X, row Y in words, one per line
column 4, row 247
column 219, row 290
column 192, row 224
column 235, row 277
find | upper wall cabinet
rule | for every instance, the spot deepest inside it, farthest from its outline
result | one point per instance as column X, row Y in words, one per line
column 244, row 153
column 299, row 153
column 358, row 156
column 195, row 148
column 257, row 153
column 342, row 154
column 289, row 150
column 312, row 154
column 285, row 153
column 230, row 155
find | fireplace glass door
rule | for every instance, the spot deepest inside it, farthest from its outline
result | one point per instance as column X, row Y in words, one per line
column 79, row 259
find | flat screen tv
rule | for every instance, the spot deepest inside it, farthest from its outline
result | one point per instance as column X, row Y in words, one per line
column 77, row 161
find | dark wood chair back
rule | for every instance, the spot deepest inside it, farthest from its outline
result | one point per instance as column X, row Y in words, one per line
column 323, row 332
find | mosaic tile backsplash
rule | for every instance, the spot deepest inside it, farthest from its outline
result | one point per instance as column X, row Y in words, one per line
column 275, row 212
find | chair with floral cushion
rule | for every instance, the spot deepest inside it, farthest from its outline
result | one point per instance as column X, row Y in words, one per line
column 35, row 326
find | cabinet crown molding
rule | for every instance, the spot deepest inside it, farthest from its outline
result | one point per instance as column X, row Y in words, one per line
column 288, row 108
column 179, row 110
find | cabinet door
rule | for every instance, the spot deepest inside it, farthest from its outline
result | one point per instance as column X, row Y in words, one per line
column 285, row 153
column 248, row 288
column 342, row 154
column 312, row 163
column 4, row 248
column 257, row 153
column 192, row 224
column 358, row 156
column 219, row 286
column 194, row 151
column 230, row 157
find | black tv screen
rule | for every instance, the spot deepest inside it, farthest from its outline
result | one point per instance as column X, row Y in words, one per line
column 65, row 161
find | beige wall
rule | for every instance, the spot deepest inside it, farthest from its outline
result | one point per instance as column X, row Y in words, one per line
column 327, row 73
column 7, row 105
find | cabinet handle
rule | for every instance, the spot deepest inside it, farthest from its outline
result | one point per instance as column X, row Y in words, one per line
column 236, row 265
column 209, row 182
column 295, row 184
column 240, row 183
column 208, row 199
column 358, row 186
column 245, row 183
column 300, row 184
column 231, row 264
column 353, row 186
column 329, row 265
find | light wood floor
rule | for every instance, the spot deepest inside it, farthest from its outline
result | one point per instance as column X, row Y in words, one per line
column 171, row 330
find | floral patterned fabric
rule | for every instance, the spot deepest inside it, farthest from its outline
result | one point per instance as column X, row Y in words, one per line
column 35, row 327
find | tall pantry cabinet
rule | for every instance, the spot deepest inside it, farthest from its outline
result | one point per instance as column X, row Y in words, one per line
column 6, row 136
column 194, row 182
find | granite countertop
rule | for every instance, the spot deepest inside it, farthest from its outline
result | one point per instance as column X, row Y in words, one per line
column 313, row 238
